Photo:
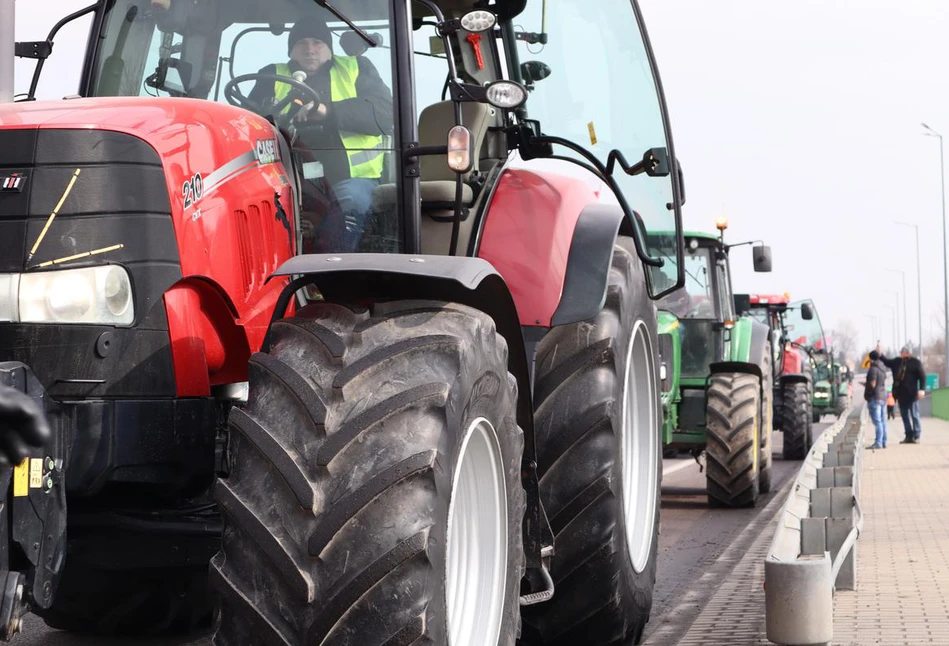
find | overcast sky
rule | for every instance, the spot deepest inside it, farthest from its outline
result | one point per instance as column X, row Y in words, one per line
column 798, row 121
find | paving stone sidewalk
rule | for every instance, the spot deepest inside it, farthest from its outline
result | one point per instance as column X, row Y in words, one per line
column 902, row 595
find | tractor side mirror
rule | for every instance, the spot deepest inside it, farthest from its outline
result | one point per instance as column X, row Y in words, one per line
column 742, row 303
column 807, row 312
column 533, row 71
column 762, row 258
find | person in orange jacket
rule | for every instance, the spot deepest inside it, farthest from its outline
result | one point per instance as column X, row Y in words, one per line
column 890, row 404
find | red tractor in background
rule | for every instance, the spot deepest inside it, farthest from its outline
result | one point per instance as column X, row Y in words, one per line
column 445, row 430
column 793, row 368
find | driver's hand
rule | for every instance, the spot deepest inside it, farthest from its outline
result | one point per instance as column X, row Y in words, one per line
column 306, row 228
column 308, row 113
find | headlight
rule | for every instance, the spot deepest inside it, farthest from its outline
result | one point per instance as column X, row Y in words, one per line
column 97, row 295
column 506, row 94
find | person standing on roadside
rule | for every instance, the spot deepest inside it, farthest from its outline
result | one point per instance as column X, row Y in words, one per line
column 875, row 395
column 890, row 404
column 909, row 386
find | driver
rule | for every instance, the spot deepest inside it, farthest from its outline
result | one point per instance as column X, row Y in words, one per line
column 346, row 125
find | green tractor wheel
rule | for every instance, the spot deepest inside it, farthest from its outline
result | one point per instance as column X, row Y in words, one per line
column 733, row 419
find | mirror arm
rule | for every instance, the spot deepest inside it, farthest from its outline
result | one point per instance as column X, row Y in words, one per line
column 44, row 53
column 616, row 156
column 741, row 244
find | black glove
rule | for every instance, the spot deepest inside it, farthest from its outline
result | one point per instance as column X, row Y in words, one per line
column 22, row 424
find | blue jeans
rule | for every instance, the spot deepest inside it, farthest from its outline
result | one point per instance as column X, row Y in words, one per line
column 910, row 415
column 354, row 197
column 878, row 415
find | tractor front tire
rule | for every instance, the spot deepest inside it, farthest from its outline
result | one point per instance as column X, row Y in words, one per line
column 375, row 494
column 733, row 426
column 598, row 425
column 796, row 416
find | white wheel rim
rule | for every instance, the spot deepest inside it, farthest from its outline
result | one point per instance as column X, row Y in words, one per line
column 476, row 561
column 640, row 448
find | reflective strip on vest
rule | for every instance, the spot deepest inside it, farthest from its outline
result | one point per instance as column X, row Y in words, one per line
column 365, row 152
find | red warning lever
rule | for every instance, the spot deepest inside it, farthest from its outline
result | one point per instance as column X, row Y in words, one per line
column 475, row 40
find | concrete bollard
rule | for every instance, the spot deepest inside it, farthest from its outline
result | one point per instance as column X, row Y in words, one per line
column 799, row 601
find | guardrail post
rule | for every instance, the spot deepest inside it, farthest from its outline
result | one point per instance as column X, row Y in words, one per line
column 799, row 601
column 816, row 525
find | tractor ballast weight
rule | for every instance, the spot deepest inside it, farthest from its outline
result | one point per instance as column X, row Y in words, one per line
column 717, row 368
column 337, row 428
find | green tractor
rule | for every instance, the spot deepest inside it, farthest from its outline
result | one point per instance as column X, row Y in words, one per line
column 832, row 389
column 716, row 374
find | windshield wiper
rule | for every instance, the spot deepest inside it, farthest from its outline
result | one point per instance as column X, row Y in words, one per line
column 336, row 12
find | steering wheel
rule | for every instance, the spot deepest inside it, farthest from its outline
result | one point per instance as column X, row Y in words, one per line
column 235, row 97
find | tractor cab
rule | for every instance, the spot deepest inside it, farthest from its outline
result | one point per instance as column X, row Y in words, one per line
column 399, row 139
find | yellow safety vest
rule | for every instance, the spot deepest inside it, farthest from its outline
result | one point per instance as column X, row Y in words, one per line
column 365, row 152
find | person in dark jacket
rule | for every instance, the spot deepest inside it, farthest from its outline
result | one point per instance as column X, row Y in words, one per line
column 343, row 132
column 875, row 396
column 22, row 424
column 909, row 386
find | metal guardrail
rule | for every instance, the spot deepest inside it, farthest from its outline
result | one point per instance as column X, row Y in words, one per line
column 814, row 547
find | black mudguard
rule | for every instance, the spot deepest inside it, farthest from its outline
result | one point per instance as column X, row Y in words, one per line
column 33, row 522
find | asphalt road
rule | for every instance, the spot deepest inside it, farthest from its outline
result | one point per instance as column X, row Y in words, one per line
column 692, row 538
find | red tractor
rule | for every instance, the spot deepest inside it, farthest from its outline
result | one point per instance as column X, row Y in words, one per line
column 794, row 370
column 443, row 426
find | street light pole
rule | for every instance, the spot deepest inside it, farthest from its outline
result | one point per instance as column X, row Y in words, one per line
column 7, row 50
column 890, row 307
column 896, row 319
column 905, row 322
column 945, row 261
column 919, row 286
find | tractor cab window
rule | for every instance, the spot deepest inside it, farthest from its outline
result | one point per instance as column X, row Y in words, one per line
column 725, row 290
column 598, row 89
column 696, row 299
column 318, row 79
column 806, row 332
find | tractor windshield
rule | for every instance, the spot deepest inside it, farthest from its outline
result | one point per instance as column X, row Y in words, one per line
column 340, row 106
column 599, row 88
column 806, row 332
column 695, row 300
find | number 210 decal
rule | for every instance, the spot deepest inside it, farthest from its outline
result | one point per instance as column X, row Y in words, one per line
column 192, row 190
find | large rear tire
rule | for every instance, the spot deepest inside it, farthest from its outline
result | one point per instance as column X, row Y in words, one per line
column 375, row 494
column 766, row 458
column 797, row 420
column 598, row 443
column 733, row 425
